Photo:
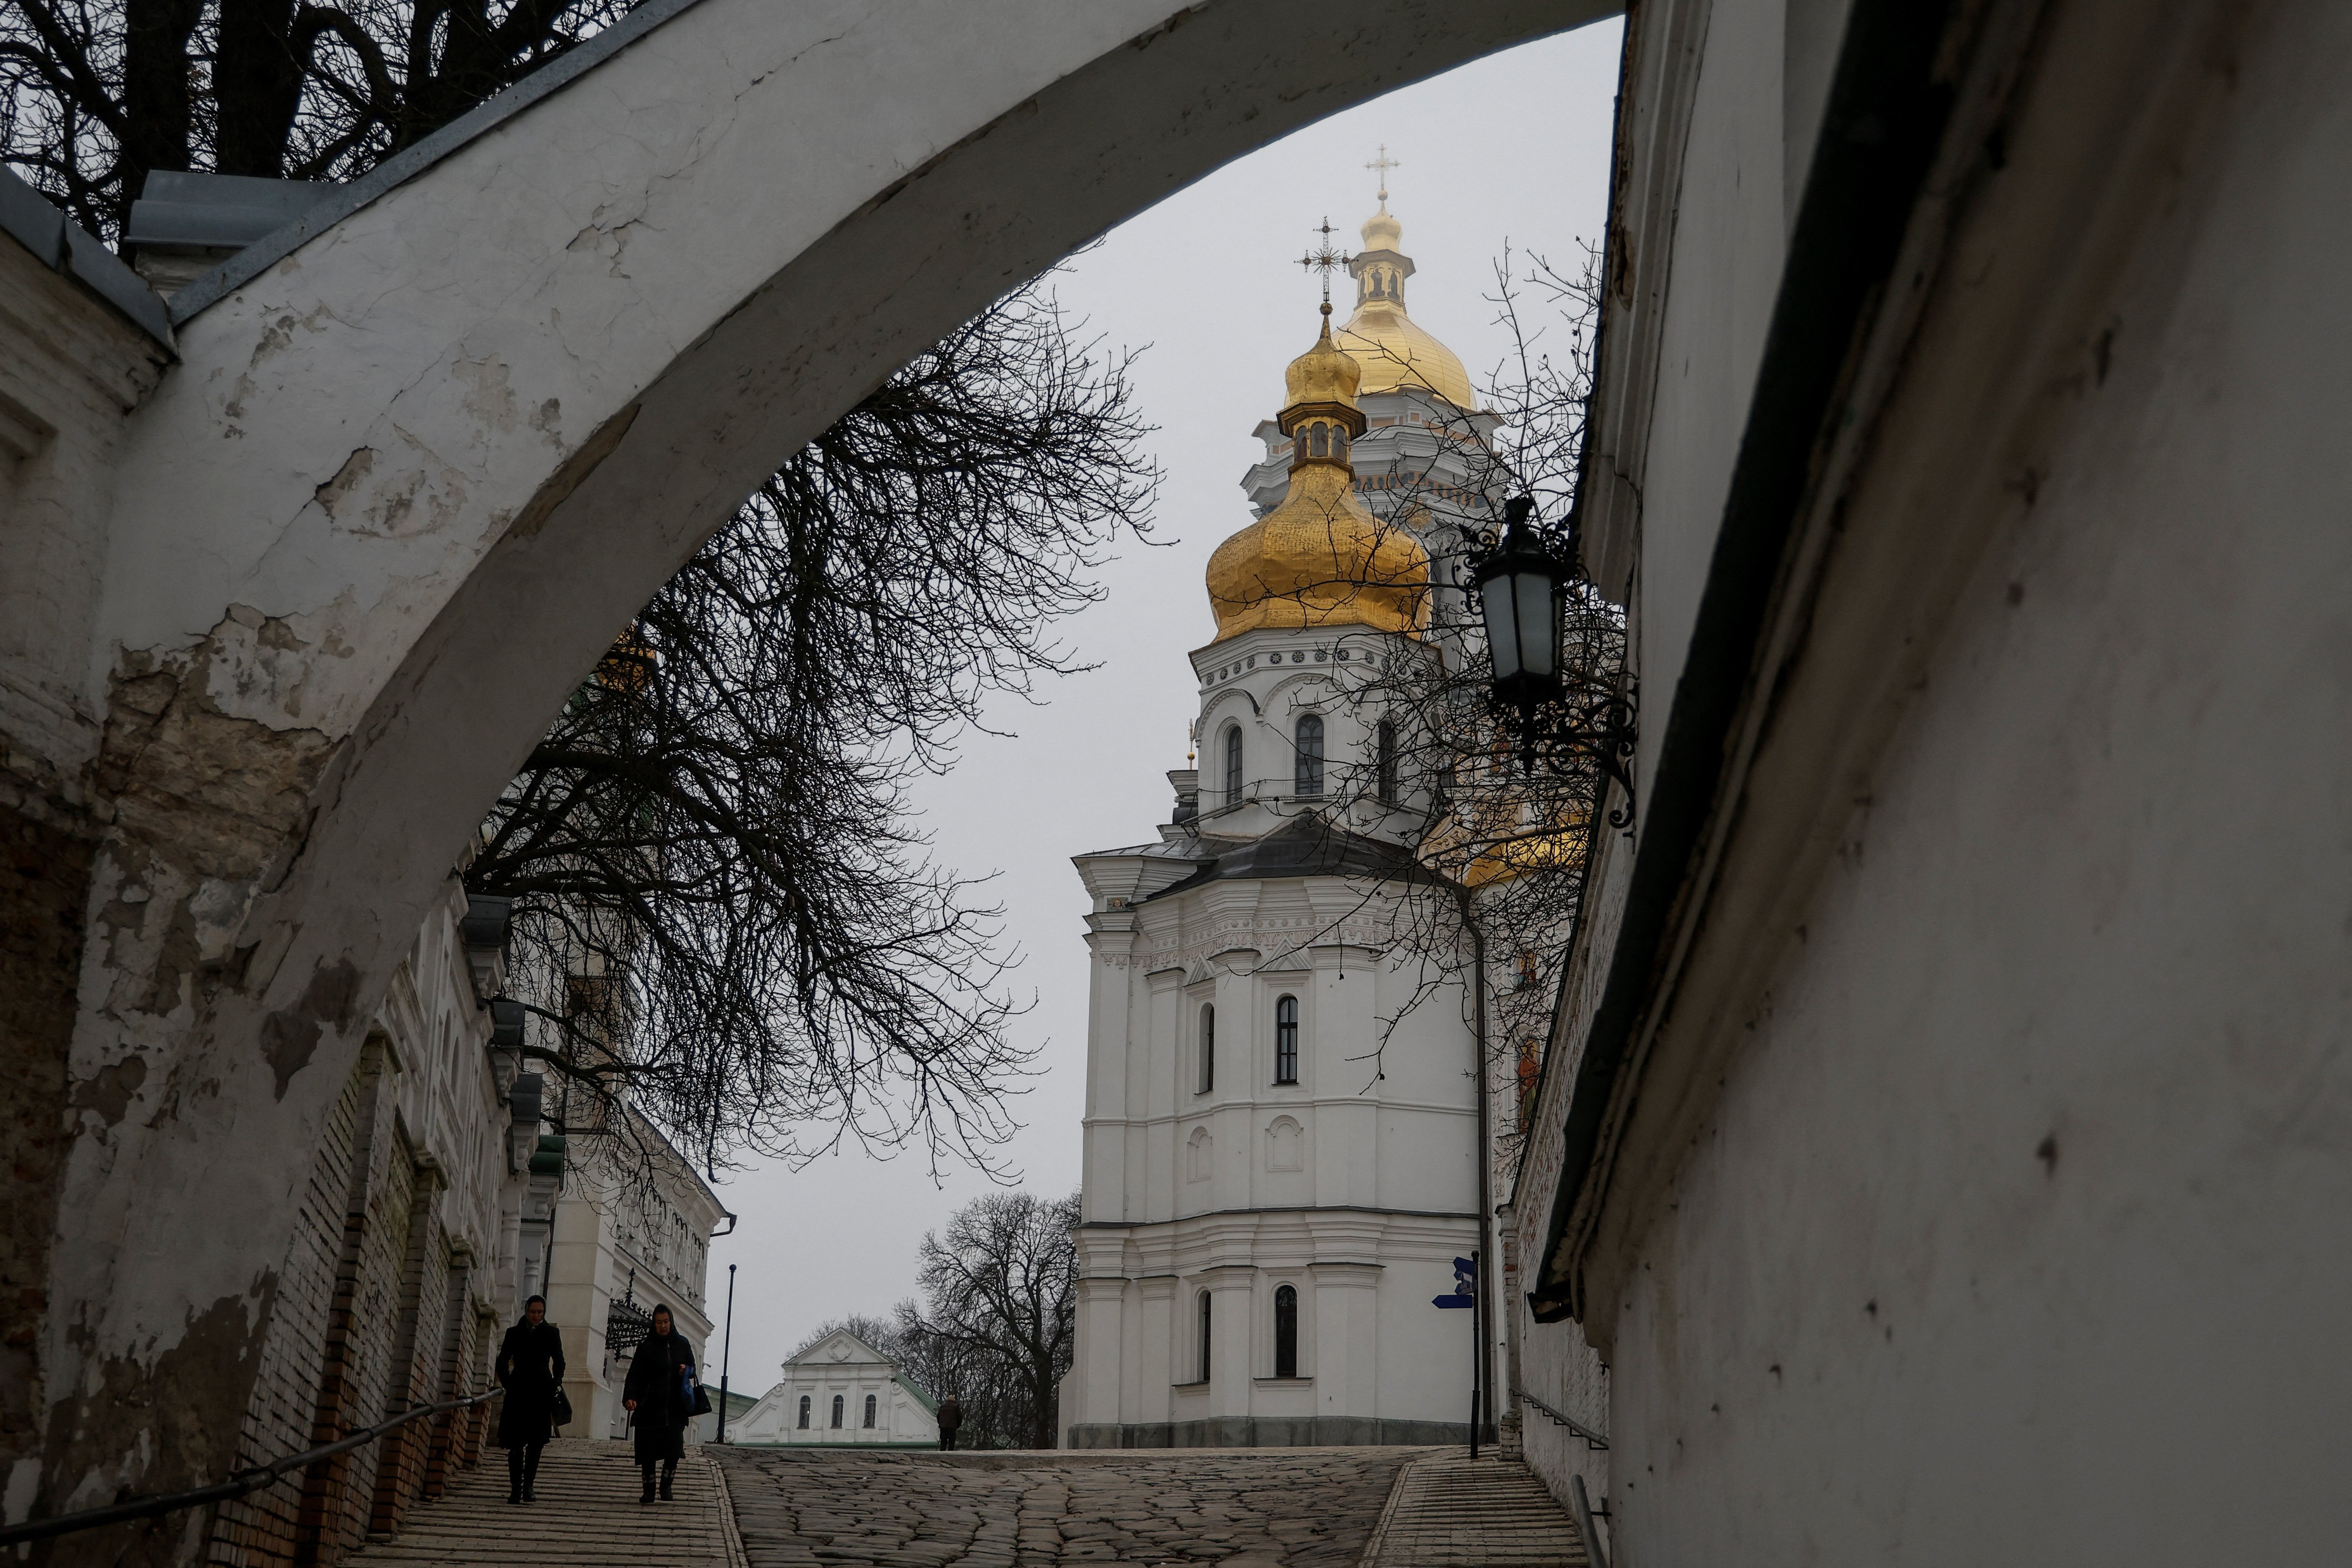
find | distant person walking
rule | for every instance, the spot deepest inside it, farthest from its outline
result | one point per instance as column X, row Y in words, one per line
column 950, row 1417
column 530, row 1369
column 660, row 1395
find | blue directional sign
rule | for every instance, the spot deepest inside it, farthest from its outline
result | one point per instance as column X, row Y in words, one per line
column 1466, row 1285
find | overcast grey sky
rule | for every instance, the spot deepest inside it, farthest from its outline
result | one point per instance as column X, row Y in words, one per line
column 1513, row 148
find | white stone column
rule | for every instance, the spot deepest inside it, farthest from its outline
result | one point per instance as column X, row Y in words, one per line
column 1346, row 1343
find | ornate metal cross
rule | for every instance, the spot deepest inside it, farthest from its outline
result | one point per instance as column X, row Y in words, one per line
column 1326, row 260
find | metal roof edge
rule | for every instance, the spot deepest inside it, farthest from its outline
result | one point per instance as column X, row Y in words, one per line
column 209, row 287
column 63, row 246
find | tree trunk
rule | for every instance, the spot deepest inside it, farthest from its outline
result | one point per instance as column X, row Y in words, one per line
column 256, row 86
column 158, row 91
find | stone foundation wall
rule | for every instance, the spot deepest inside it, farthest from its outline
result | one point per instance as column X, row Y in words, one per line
column 1271, row 1432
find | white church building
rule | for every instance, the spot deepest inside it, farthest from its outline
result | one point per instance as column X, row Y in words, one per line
column 1274, row 1189
column 839, row 1391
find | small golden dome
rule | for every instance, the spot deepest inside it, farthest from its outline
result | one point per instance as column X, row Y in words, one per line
column 1380, row 337
column 1319, row 559
column 1323, row 374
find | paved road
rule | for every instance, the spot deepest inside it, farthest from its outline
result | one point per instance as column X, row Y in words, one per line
column 1254, row 1508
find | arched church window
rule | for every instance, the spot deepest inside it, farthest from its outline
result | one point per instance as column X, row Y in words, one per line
column 1319, row 440
column 869, row 1410
column 1339, row 442
column 1208, row 1048
column 1233, row 764
column 836, row 1410
column 1384, row 748
column 1309, row 739
column 1285, row 1039
column 1298, row 447
column 804, row 1412
column 1204, row 1336
column 1285, row 1332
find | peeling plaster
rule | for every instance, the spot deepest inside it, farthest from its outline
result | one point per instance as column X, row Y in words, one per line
column 290, row 1037
column 108, row 1091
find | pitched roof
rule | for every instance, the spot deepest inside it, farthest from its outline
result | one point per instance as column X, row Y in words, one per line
column 808, row 1352
column 1307, row 847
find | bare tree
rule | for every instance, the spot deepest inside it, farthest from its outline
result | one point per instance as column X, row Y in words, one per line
column 720, row 911
column 1000, row 1314
column 95, row 93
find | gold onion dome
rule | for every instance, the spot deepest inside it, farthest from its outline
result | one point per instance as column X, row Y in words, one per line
column 1319, row 559
column 1393, row 351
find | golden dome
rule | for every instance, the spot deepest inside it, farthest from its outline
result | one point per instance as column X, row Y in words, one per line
column 1319, row 559
column 1380, row 337
column 1559, row 851
column 1323, row 374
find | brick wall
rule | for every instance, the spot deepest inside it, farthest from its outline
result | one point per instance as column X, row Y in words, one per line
column 47, row 873
column 257, row 1531
column 453, row 1376
column 411, row 1371
column 378, row 1306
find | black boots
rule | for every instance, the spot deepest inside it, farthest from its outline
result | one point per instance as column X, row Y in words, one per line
column 669, row 1478
column 648, row 1471
column 530, row 1471
column 514, row 1475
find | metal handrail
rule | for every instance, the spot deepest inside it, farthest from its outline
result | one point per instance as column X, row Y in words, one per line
column 238, row 1484
column 1598, row 1558
column 1571, row 1422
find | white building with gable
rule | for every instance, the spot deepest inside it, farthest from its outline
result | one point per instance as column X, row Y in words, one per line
column 1273, row 1190
column 842, row 1389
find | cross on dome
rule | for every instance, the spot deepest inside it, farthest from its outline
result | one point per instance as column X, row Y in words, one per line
column 1326, row 260
column 1382, row 165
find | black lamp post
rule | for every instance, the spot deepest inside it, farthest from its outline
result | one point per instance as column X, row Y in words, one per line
column 726, row 1352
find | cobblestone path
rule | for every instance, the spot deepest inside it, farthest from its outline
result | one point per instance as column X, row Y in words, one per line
column 1250, row 1508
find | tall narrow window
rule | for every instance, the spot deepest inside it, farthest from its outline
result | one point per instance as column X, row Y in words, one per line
column 1286, row 1040
column 836, row 1410
column 1204, row 1336
column 1385, row 758
column 869, row 1410
column 1285, row 1332
column 1310, row 754
column 804, row 1412
column 1208, row 1048
column 1233, row 763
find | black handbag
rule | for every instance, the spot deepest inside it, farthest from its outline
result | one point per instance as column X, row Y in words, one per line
column 559, row 1410
column 701, row 1400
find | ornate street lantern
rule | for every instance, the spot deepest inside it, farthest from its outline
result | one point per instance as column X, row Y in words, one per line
column 1519, row 595
column 1563, row 718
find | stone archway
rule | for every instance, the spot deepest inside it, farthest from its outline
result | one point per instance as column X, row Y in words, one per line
column 408, row 477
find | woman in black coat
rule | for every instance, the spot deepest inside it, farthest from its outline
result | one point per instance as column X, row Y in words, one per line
column 530, row 1369
column 660, row 1394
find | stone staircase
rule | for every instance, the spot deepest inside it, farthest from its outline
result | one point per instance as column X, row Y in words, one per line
column 1451, row 1511
column 586, row 1516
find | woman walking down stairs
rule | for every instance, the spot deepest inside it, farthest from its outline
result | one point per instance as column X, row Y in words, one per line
column 586, row 1512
